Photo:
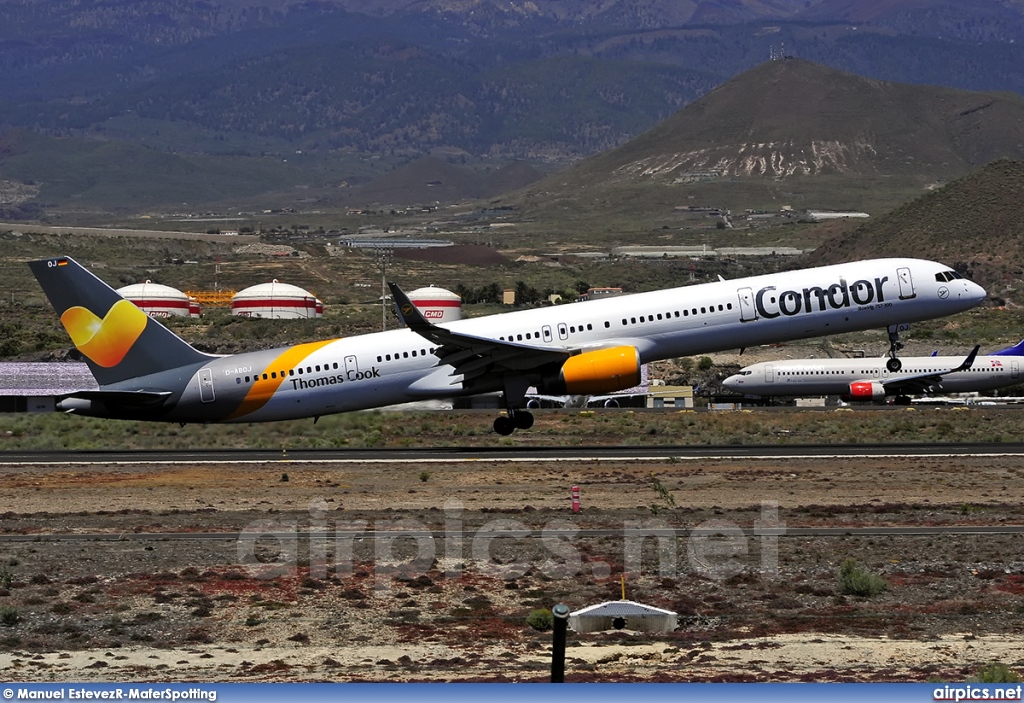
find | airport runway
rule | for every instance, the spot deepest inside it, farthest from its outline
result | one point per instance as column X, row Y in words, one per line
column 335, row 535
column 450, row 454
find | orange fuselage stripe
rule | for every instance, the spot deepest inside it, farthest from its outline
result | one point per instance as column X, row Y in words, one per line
column 263, row 390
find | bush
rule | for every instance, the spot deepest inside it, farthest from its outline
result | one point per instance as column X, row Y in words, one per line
column 540, row 619
column 997, row 673
column 9, row 616
column 855, row 580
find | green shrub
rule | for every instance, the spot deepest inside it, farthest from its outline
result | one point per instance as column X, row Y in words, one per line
column 540, row 619
column 997, row 673
column 855, row 580
column 9, row 616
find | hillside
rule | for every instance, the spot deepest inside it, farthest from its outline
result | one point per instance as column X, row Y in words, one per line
column 793, row 126
column 797, row 118
column 975, row 224
column 431, row 179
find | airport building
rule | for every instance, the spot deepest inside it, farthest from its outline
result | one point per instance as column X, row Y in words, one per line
column 160, row 301
column 277, row 301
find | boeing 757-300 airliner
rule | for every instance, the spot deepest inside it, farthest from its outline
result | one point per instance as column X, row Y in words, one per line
column 145, row 371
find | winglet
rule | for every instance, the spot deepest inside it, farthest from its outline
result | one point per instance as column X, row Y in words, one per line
column 408, row 313
column 969, row 361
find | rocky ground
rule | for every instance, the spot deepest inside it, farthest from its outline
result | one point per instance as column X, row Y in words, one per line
column 292, row 592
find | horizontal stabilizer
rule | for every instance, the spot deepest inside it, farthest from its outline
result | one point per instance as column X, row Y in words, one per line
column 124, row 398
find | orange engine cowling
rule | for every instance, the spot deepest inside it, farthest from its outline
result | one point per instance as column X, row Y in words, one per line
column 865, row 390
column 601, row 371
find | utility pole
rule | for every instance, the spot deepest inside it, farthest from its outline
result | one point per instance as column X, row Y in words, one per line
column 384, row 258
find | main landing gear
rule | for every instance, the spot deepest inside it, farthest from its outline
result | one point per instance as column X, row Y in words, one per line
column 895, row 345
column 515, row 420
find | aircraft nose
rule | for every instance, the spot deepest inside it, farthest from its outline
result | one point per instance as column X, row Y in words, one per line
column 975, row 292
column 732, row 382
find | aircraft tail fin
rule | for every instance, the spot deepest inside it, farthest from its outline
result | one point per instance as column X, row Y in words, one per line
column 1016, row 350
column 118, row 340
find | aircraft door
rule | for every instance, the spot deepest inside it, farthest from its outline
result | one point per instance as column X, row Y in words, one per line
column 546, row 331
column 351, row 366
column 747, row 311
column 563, row 330
column 206, row 386
column 1013, row 369
column 769, row 373
column 906, row 283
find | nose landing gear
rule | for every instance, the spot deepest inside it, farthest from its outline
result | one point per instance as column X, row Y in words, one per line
column 895, row 345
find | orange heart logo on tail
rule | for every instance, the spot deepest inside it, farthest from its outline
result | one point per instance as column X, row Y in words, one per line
column 105, row 341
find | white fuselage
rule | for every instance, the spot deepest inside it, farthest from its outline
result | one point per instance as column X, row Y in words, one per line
column 386, row 368
column 814, row 377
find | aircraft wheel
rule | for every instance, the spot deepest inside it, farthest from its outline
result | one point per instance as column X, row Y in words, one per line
column 504, row 425
column 902, row 400
column 523, row 420
column 894, row 365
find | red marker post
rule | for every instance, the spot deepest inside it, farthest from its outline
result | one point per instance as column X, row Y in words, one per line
column 574, row 495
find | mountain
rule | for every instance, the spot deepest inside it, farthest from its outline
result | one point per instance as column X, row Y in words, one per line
column 431, row 179
column 550, row 81
column 796, row 121
column 975, row 224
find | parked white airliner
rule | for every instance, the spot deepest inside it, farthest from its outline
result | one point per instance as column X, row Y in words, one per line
column 871, row 380
column 146, row 372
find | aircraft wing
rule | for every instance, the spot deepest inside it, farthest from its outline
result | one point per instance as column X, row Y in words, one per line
column 922, row 383
column 474, row 357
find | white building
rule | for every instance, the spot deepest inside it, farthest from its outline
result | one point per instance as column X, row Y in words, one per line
column 437, row 304
column 277, row 301
column 160, row 301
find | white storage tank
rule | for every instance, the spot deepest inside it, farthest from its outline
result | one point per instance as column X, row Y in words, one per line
column 157, row 300
column 437, row 304
column 276, row 300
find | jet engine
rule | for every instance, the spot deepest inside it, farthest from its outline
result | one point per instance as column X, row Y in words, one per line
column 865, row 391
column 595, row 372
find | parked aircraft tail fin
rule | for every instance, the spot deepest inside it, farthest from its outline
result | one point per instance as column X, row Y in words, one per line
column 1016, row 350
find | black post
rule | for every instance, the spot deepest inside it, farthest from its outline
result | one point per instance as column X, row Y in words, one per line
column 559, row 624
